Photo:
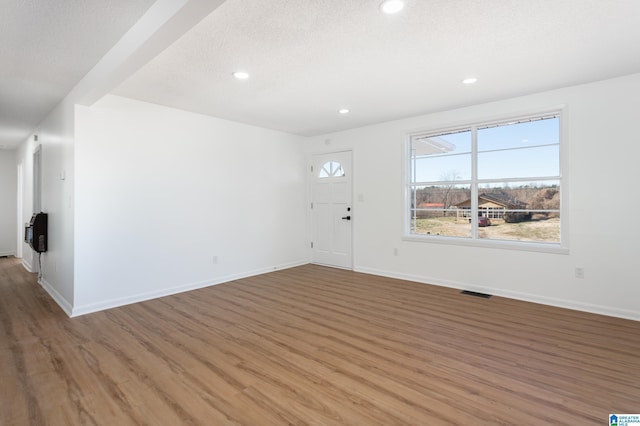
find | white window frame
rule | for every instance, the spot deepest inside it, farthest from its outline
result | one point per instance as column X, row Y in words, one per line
column 560, row 248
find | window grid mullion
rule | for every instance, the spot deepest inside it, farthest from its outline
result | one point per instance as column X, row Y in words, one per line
column 520, row 179
column 414, row 192
column 474, row 182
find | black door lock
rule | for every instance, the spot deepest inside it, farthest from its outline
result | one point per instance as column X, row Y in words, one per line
column 347, row 217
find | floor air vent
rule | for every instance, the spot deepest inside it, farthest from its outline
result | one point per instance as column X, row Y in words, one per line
column 476, row 294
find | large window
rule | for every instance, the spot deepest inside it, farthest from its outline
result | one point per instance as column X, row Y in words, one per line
column 491, row 182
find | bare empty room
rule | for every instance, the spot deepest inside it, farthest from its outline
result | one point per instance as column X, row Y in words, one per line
column 319, row 212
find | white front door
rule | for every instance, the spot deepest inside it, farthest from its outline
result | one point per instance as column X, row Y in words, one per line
column 331, row 209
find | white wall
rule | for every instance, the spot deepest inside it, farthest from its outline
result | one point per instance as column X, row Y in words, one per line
column 56, row 138
column 8, row 210
column 604, row 148
column 160, row 192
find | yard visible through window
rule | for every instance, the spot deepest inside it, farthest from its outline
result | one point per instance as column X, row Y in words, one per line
column 497, row 181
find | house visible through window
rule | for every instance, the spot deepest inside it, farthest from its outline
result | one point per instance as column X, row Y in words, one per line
column 494, row 181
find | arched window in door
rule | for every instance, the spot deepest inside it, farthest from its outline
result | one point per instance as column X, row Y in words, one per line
column 331, row 169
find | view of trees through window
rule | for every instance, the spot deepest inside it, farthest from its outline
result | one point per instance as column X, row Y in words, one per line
column 505, row 175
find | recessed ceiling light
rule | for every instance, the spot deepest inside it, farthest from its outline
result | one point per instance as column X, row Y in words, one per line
column 469, row 80
column 241, row 75
column 343, row 111
column 391, row 6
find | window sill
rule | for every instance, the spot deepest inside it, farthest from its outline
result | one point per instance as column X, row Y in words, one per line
column 494, row 244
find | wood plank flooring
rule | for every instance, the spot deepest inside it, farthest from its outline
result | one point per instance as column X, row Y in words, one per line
column 311, row 345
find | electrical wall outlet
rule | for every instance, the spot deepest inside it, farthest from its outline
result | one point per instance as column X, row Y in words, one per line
column 579, row 272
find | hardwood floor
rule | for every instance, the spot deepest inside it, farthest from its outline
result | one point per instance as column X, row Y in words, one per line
column 311, row 345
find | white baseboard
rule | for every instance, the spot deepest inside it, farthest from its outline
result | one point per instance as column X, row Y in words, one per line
column 59, row 299
column 114, row 303
column 527, row 297
column 7, row 253
column 26, row 265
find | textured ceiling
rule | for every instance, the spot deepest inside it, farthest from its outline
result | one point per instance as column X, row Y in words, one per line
column 309, row 58
column 46, row 47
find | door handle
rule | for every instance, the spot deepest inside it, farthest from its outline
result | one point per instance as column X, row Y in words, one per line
column 347, row 218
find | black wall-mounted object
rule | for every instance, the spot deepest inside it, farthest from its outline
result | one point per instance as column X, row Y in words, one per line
column 36, row 233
